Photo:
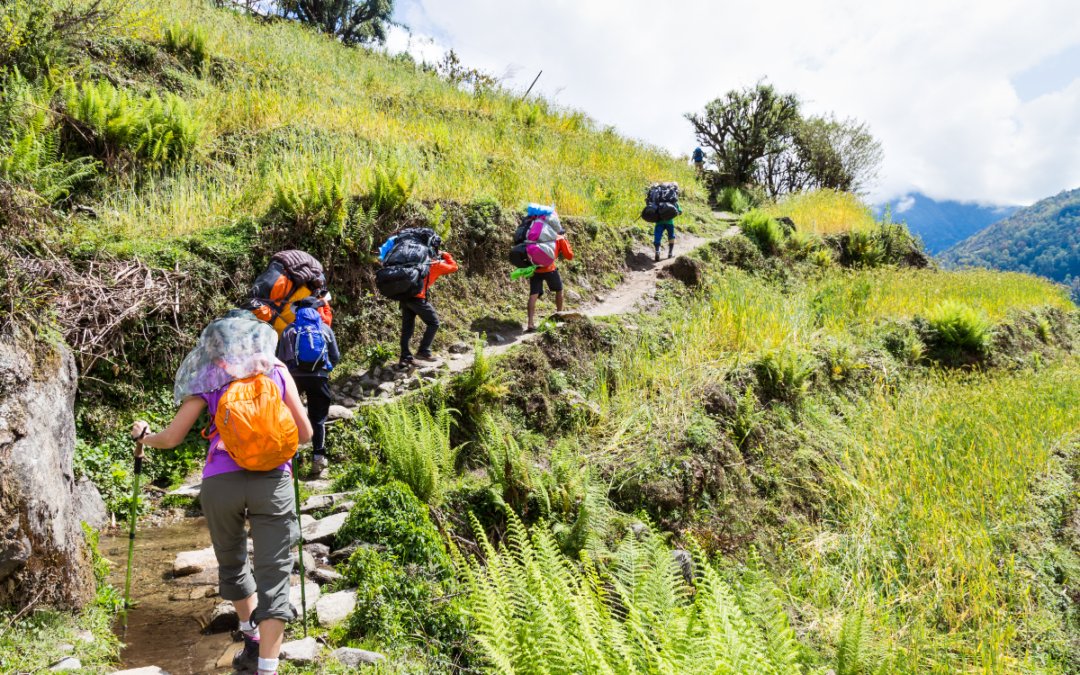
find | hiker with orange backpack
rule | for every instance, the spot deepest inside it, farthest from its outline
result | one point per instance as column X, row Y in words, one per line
column 257, row 421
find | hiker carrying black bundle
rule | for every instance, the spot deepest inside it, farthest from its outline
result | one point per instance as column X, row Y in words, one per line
column 411, row 263
column 661, row 208
column 290, row 277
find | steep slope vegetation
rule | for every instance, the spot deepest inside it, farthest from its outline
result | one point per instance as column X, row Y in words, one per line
column 1039, row 239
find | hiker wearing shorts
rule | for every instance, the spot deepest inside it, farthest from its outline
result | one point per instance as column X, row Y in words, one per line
column 420, row 307
column 550, row 276
column 231, row 495
column 667, row 226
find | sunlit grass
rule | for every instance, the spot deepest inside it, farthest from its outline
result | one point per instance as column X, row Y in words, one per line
column 824, row 211
column 937, row 491
column 290, row 96
column 902, row 294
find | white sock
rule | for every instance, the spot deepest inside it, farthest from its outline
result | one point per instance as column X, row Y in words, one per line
column 250, row 629
column 267, row 666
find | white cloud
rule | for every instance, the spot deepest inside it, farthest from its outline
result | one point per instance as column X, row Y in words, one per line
column 932, row 77
column 905, row 204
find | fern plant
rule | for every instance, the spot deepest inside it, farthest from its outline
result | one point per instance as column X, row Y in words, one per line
column 162, row 132
column 181, row 39
column 30, row 144
column 416, row 446
column 863, row 249
column 760, row 228
column 786, row 373
column 390, row 188
column 959, row 325
column 316, row 201
column 536, row 612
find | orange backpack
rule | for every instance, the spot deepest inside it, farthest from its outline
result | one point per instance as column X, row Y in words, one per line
column 255, row 425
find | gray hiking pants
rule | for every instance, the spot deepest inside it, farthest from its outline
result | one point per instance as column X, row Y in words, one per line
column 267, row 498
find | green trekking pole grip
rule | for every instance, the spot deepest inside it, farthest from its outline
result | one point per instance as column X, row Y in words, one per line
column 300, row 549
column 132, row 516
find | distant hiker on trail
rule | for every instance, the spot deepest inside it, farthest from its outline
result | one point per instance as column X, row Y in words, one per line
column 411, row 263
column 661, row 208
column 233, row 373
column 699, row 160
column 539, row 241
column 308, row 347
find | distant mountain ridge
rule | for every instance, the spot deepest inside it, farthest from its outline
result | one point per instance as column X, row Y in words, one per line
column 942, row 224
column 1042, row 239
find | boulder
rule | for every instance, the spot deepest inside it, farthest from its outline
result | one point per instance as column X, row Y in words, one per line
column 299, row 651
column 344, row 507
column 357, row 392
column 687, row 270
column 318, row 551
column 387, row 387
column 188, row 490
column 686, row 564
column 573, row 296
column 324, row 575
column 356, row 657
column 223, row 618
column 387, row 375
column 335, row 608
column 89, row 506
column 460, row 348
column 66, row 663
column 311, row 590
column 320, row 502
column 43, row 553
column 338, row 412
column 349, row 402
column 306, row 520
column 193, row 562
column 368, row 383
column 309, row 562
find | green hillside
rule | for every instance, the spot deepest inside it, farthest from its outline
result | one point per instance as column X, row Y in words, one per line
column 809, row 451
column 1039, row 239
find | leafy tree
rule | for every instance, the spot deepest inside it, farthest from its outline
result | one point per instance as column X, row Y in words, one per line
column 758, row 137
column 744, row 127
column 351, row 21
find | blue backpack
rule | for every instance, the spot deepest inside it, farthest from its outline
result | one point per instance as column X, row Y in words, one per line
column 309, row 343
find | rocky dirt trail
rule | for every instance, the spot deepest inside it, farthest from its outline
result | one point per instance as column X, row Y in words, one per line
column 181, row 625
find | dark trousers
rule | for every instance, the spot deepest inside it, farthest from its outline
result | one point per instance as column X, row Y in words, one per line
column 410, row 309
column 317, row 389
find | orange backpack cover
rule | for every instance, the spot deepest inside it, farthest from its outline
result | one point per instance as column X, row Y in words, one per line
column 255, row 425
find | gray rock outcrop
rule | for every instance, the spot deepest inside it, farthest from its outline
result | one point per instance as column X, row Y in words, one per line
column 334, row 608
column 43, row 553
column 89, row 506
column 356, row 657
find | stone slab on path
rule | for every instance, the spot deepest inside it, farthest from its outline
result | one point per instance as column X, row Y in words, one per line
column 320, row 502
column 323, row 531
column 65, row 664
column 335, row 608
column 339, row 412
column 188, row 490
column 223, row 618
column 356, row 657
column 145, row 670
column 312, row 591
column 193, row 562
column 299, row 651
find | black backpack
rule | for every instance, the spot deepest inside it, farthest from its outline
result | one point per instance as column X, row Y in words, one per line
column 523, row 230
column 407, row 264
column 664, row 192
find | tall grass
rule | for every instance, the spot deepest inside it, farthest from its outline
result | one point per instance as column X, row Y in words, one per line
column 902, row 294
column 824, row 211
column 299, row 96
column 937, row 494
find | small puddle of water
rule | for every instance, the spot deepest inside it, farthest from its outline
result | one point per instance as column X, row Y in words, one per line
column 165, row 627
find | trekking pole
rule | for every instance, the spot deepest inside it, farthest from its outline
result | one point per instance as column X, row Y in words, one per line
column 132, row 516
column 300, row 548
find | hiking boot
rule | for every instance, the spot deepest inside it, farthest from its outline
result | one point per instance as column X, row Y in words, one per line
column 247, row 659
column 319, row 464
column 426, row 359
column 657, row 258
column 670, row 255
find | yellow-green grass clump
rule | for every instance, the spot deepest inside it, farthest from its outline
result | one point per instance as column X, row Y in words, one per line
column 902, row 294
column 824, row 211
column 287, row 99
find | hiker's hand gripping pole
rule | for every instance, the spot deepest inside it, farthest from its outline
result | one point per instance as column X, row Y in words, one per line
column 132, row 516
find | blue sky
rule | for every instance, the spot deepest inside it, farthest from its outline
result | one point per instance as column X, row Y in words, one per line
column 973, row 101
